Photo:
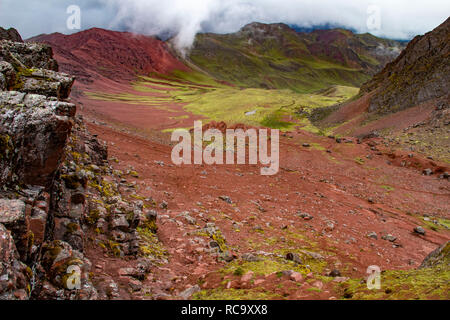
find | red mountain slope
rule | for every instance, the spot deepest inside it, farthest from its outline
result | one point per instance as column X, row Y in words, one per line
column 111, row 54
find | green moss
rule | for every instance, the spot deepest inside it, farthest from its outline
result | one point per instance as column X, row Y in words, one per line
column 218, row 237
column 72, row 227
column 137, row 197
column 235, row 294
column 264, row 267
column 134, row 174
column 442, row 224
column 93, row 216
column 359, row 161
column 427, row 283
column 107, row 189
column 114, row 248
column 150, row 246
column 387, row 188
column 6, row 146
column 71, row 181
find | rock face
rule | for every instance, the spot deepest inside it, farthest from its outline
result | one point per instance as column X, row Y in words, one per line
column 55, row 184
column 30, row 68
column 35, row 125
column 34, row 122
column 33, row 130
column 10, row 34
column 419, row 74
column 13, row 273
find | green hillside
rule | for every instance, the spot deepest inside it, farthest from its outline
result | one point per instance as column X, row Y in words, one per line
column 274, row 56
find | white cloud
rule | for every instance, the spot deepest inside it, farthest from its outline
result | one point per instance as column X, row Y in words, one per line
column 400, row 19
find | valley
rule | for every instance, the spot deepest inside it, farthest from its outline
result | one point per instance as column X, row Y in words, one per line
column 356, row 188
column 332, row 194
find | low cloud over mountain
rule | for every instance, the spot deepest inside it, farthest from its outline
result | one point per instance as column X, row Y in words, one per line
column 183, row 19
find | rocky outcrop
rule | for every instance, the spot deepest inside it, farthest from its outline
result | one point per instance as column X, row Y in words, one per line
column 419, row 74
column 33, row 130
column 35, row 124
column 56, row 185
column 10, row 34
column 30, row 68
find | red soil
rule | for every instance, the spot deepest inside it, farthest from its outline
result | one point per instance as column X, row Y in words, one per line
column 353, row 115
column 331, row 187
column 380, row 194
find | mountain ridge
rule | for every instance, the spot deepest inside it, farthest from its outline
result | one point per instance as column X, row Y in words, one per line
column 304, row 62
column 277, row 56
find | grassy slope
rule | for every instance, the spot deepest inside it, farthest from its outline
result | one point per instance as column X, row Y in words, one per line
column 430, row 282
column 276, row 108
column 279, row 57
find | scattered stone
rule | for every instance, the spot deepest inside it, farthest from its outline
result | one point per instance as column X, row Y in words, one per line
column 250, row 257
column 135, row 285
column 227, row 199
column 258, row 229
column 419, row 230
column 163, row 205
column 294, row 257
column 389, row 237
column 318, row 284
column 445, row 175
column 372, row 235
column 227, row 256
column 296, row 276
column 340, row 279
column 334, row 273
column 247, row 277
column 314, row 255
column 329, row 226
column 427, row 172
column 186, row 294
column 304, row 215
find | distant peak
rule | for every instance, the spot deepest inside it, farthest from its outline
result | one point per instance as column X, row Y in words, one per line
column 254, row 26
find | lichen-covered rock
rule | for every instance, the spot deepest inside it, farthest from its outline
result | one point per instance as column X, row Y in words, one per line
column 14, row 276
column 15, row 216
column 68, row 270
column 36, row 138
column 56, row 184
column 31, row 55
column 46, row 82
column 30, row 68
column 7, row 76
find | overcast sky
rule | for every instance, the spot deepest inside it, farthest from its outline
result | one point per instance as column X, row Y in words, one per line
column 396, row 19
